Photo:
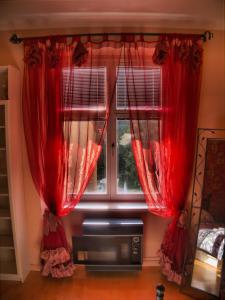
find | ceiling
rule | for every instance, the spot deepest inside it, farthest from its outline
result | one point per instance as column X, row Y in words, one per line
column 50, row 14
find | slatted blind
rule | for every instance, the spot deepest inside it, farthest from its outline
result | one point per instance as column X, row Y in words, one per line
column 141, row 85
column 85, row 87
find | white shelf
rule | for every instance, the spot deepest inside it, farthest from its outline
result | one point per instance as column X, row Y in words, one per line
column 8, row 267
column 6, row 242
column 14, row 263
column 111, row 206
column 5, row 214
column 3, row 192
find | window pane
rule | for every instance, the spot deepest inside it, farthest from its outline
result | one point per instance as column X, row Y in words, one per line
column 83, row 136
column 141, row 85
column 127, row 178
column 97, row 183
column 85, row 87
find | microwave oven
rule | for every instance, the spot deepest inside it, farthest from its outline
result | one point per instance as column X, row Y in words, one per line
column 109, row 244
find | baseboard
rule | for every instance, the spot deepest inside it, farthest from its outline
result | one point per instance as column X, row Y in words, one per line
column 151, row 261
column 10, row 277
column 35, row 267
column 25, row 273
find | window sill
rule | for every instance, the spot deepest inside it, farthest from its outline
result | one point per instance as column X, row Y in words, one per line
column 111, row 206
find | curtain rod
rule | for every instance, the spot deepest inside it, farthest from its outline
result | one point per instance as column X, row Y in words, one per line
column 207, row 35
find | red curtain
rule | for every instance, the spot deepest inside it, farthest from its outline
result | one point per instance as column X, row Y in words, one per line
column 163, row 134
column 64, row 127
column 65, row 115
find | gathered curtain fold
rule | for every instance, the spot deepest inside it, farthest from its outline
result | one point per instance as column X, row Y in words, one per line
column 65, row 113
column 66, row 105
column 163, row 144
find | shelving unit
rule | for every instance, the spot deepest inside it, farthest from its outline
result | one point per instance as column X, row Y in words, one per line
column 13, row 250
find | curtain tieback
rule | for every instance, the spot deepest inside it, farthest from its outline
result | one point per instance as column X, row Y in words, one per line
column 183, row 218
column 51, row 222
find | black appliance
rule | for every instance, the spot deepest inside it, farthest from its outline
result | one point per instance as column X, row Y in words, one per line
column 109, row 244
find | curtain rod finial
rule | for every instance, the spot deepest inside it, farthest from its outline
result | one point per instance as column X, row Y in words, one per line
column 15, row 39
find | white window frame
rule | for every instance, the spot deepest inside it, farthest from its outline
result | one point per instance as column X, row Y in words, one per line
column 111, row 153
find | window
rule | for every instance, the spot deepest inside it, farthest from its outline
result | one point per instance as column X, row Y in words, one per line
column 115, row 176
column 98, row 181
column 86, row 86
column 141, row 95
column 127, row 179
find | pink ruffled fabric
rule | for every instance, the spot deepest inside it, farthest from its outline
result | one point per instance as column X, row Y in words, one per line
column 166, row 269
column 57, row 263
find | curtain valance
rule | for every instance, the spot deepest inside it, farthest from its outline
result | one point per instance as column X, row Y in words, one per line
column 186, row 45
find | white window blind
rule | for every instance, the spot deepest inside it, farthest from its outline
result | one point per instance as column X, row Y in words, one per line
column 85, row 87
column 141, row 85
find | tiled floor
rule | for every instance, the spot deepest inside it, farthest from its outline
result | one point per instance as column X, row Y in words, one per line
column 92, row 286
